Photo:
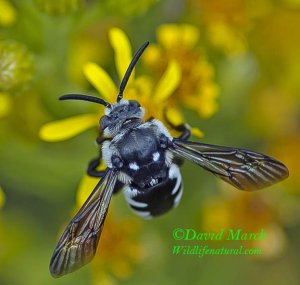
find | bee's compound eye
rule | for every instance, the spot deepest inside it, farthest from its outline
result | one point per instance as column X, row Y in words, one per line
column 104, row 122
column 134, row 103
column 116, row 161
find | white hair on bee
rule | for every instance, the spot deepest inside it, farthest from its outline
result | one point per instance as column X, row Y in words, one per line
column 106, row 153
column 111, row 132
column 129, row 191
column 119, row 136
column 178, row 197
column 162, row 129
column 134, row 166
column 155, row 156
column 169, row 158
column 135, row 203
column 124, row 177
column 107, row 110
column 144, row 214
column 141, row 112
column 174, row 173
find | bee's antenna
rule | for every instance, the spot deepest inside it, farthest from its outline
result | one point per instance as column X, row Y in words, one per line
column 129, row 70
column 85, row 98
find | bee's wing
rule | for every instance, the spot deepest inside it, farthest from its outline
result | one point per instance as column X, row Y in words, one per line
column 78, row 244
column 244, row 169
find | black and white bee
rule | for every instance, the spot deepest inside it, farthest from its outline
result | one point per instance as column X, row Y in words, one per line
column 143, row 159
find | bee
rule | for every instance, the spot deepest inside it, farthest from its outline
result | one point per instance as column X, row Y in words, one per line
column 143, row 159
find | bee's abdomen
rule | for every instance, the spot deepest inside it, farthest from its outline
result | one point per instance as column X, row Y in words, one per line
column 158, row 199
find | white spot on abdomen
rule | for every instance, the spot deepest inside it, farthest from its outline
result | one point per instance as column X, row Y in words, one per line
column 156, row 156
column 134, row 166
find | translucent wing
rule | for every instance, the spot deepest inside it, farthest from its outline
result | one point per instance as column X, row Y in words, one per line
column 78, row 244
column 244, row 169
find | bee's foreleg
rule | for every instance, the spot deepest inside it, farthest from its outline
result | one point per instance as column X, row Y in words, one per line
column 92, row 168
column 185, row 131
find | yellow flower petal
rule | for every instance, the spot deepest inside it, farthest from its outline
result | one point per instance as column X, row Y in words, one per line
column 170, row 35
column 168, row 82
column 5, row 104
column 174, row 116
column 68, row 128
column 2, row 198
column 122, row 49
column 86, row 186
column 197, row 132
column 100, row 79
column 7, row 13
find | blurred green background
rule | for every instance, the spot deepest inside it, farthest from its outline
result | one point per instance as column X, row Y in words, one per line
column 240, row 86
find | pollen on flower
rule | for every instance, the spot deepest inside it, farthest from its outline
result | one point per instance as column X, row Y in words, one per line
column 155, row 94
column 249, row 213
column 197, row 89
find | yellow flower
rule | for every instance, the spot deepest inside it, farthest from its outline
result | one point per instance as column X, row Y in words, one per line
column 250, row 213
column 153, row 97
column 7, row 13
column 226, row 38
column 119, row 250
column 197, row 89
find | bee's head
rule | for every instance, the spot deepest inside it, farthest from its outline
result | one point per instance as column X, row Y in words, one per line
column 121, row 113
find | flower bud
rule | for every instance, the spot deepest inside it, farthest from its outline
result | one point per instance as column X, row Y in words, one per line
column 16, row 65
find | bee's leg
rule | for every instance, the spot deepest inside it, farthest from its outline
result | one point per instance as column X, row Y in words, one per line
column 92, row 168
column 100, row 140
column 185, row 130
column 93, row 172
column 185, row 134
column 150, row 119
